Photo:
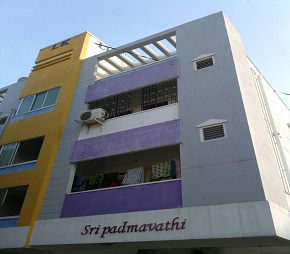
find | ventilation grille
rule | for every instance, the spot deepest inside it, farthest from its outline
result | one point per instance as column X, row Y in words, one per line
column 86, row 116
column 204, row 63
column 213, row 132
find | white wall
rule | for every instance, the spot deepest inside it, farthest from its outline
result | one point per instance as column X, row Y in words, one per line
column 134, row 120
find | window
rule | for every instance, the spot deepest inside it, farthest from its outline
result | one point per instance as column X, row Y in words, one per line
column 149, row 97
column 11, row 200
column 25, row 105
column 2, row 95
column 212, row 129
column 6, row 154
column 3, row 119
column 20, row 152
column 159, row 94
column 38, row 101
column 115, row 106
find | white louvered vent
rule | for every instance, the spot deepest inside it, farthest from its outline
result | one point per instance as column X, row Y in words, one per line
column 204, row 63
column 213, row 132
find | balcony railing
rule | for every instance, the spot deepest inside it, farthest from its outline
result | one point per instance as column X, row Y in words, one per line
column 132, row 198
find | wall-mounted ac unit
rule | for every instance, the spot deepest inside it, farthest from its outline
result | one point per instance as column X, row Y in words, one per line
column 93, row 116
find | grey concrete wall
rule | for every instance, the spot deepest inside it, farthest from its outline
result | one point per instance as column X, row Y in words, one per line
column 281, row 118
column 267, row 165
column 55, row 192
column 225, row 170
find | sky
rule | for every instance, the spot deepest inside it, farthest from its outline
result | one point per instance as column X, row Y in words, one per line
column 26, row 26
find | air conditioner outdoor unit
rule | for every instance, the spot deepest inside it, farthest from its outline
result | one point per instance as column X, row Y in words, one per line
column 93, row 116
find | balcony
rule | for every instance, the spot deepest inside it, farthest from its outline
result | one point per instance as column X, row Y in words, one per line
column 134, row 120
column 133, row 198
column 136, row 181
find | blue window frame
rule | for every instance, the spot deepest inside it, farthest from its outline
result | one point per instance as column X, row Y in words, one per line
column 38, row 101
column 20, row 152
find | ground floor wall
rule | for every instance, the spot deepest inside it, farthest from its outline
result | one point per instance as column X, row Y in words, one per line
column 252, row 227
column 177, row 249
column 251, row 224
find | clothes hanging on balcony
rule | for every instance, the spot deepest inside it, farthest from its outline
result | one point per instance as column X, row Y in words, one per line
column 109, row 180
column 79, row 183
column 93, row 182
column 173, row 169
column 147, row 173
column 161, row 171
column 133, row 176
column 120, row 177
column 166, row 170
column 177, row 168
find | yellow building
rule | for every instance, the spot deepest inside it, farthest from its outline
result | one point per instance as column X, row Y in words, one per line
column 31, row 132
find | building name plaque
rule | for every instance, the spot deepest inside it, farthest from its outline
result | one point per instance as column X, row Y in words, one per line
column 126, row 227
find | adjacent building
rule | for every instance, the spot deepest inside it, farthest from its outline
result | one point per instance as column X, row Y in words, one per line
column 174, row 143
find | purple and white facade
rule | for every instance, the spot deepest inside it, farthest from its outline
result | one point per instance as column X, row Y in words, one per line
column 195, row 103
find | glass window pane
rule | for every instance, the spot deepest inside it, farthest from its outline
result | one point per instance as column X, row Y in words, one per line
column 51, row 97
column 3, row 120
column 28, row 150
column 38, row 101
column 3, row 194
column 6, row 154
column 13, row 201
column 25, row 105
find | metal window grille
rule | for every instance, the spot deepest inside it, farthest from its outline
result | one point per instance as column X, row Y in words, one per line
column 117, row 105
column 159, row 94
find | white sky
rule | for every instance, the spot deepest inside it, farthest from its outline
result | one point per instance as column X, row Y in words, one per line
column 26, row 26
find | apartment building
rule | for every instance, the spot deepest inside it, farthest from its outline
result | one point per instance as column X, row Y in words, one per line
column 174, row 143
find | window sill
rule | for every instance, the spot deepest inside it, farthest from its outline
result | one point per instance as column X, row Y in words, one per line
column 17, row 167
column 8, row 221
column 31, row 113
